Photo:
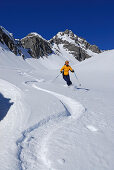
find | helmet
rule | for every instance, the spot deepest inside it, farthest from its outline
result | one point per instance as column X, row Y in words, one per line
column 66, row 62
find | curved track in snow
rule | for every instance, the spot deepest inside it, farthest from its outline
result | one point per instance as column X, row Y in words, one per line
column 32, row 146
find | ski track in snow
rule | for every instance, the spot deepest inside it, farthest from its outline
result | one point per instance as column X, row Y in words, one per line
column 32, row 146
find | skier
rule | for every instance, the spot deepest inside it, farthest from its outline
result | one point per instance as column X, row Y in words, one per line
column 65, row 71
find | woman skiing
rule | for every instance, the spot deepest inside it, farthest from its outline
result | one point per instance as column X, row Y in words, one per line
column 65, row 71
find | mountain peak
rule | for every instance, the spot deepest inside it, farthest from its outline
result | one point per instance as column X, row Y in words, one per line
column 37, row 45
column 34, row 34
column 75, row 45
column 67, row 33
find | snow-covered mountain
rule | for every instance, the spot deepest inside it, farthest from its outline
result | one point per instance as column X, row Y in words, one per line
column 64, row 43
column 73, row 44
column 45, row 125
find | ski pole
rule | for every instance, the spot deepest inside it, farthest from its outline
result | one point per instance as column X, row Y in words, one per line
column 57, row 76
column 77, row 79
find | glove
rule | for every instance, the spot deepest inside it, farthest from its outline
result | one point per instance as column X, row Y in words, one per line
column 72, row 71
column 60, row 71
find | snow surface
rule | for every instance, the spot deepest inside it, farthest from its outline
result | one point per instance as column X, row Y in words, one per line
column 45, row 125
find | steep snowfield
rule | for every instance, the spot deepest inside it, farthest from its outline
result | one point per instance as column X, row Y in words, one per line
column 45, row 125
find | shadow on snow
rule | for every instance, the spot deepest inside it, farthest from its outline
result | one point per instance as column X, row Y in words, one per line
column 4, row 106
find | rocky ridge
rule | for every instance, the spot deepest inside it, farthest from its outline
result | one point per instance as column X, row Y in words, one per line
column 75, row 45
column 37, row 46
column 8, row 39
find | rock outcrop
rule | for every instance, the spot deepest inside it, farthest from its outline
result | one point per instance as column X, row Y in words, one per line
column 37, row 46
column 8, row 39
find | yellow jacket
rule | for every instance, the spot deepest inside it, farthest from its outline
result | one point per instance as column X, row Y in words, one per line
column 66, row 69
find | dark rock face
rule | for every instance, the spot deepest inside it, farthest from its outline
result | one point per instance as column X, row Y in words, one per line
column 36, row 45
column 74, row 44
column 8, row 39
column 94, row 48
column 78, row 53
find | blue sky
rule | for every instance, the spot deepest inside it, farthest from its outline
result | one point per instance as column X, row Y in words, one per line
column 90, row 19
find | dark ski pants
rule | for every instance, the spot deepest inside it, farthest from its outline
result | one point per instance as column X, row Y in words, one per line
column 67, row 79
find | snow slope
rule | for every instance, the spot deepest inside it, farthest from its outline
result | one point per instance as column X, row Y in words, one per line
column 45, row 125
